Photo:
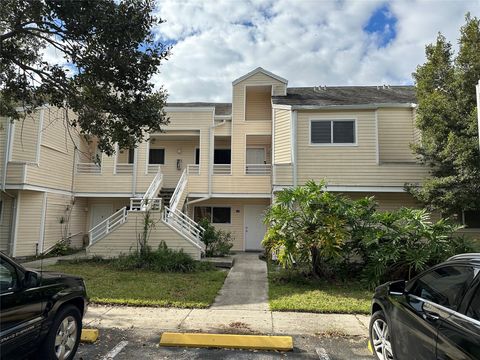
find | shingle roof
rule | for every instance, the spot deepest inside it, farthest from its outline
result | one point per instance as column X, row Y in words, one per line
column 346, row 95
column 220, row 108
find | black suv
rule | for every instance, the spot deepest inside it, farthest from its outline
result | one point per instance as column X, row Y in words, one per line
column 40, row 312
column 436, row 315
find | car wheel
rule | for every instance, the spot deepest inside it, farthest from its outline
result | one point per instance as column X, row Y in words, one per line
column 380, row 337
column 63, row 338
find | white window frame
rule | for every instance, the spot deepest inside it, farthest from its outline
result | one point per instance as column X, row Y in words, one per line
column 331, row 132
column 164, row 155
column 211, row 213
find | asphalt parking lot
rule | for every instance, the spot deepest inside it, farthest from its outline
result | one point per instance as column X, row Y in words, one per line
column 120, row 344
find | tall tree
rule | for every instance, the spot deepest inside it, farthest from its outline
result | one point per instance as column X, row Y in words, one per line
column 447, row 118
column 110, row 52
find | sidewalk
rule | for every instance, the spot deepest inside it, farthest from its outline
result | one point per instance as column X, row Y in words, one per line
column 157, row 320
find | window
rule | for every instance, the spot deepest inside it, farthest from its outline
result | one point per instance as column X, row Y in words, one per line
column 444, row 286
column 156, row 156
column 474, row 307
column 8, row 277
column 471, row 218
column 332, row 132
column 197, row 156
column 131, row 156
column 221, row 156
column 214, row 214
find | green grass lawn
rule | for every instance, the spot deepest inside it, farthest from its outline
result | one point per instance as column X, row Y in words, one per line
column 146, row 288
column 318, row 296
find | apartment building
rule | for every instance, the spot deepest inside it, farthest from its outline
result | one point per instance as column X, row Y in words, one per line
column 223, row 161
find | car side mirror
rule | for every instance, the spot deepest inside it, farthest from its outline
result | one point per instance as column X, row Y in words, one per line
column 30, row 279
column 397, row 287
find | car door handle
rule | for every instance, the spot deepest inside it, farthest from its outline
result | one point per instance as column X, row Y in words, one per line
column 430, row 312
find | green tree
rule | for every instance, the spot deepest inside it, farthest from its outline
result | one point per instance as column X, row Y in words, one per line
column 307, row 225
column 111, row 54
column 447, row 118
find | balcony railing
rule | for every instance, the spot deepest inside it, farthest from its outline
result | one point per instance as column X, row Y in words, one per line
column 153, row 168
column 89, row 168
column 193, row 169
column 222, row 169
column 124, row 168
column 258, row 169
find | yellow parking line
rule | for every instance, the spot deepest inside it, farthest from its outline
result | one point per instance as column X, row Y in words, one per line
column 259, row 342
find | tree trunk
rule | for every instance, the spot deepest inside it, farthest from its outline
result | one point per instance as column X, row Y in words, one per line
column 315, row 262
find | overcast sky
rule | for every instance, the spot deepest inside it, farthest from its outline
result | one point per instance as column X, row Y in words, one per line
column 318, row 42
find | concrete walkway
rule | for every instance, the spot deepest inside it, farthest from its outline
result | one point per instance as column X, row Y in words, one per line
column 153, row 321
column 246, row 286
column 37, row 264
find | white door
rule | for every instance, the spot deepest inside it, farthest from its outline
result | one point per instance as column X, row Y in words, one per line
column 100, row 213
column 255, row 156
column 254, row 227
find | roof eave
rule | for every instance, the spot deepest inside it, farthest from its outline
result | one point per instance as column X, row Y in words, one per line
column 259, row 70
column 350, row 107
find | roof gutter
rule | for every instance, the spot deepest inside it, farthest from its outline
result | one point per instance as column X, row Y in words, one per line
column 348, row 107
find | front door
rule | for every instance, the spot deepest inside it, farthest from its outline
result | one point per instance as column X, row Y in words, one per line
column 100, row 213
column 254, row 227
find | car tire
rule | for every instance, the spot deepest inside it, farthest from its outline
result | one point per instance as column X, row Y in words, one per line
column 63, row 338
column 380, row 337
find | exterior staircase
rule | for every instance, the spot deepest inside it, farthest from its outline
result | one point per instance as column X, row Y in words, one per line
column 118, row 233
column 166, row 194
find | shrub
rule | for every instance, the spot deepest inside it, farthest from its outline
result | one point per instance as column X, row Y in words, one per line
column 217, row 242
column 161, row 260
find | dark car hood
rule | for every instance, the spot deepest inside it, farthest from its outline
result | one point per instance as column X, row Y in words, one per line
column 52, row 275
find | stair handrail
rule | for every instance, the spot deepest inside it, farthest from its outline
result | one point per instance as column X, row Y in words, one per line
column 177, row 194
column 185, row 225
column 107, row 225
column 152, row 190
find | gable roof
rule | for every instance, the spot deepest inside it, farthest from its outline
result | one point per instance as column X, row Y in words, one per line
column 220, row 108
column 346, row 95
column 259, row 70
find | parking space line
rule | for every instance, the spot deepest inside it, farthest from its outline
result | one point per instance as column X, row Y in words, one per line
column 115, row 351
column 322, row 354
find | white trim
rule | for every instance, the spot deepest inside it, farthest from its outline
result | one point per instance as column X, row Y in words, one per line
column 6, row 155
column 353, row 107
column 134, row 171
column 222, row 117
column 294, row 121
column 24, row 180
column 281, row 107
column 377, row 145
column 38, row 188
column 105, row 194
column 15, row 226
column 353, row 188
column 41, row 241
column 115, row 159
column 147, row 157
column 12, row 140
column 232, row 195
column 331, row 144
column 256, row 71
column 39, row 136
column 189, row 109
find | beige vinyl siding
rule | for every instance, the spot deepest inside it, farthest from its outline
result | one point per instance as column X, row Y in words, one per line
column 124, row 239
column 259, row 104
column 64, row 218
column 6, row 222
column 236, row 227
column 25, row 138
column 30, row 210
column 349, row 165
column 395, row 134
column 279, row 90
column 388, row 201
column 16, row 173
column 283, row 139
column 283, row 175
column 115, row 203
column 3, row 144
column 224, row 129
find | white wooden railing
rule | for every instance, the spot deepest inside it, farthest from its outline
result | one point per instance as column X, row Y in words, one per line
column 222, row 169
column 193, row 169
column 124, row 168
column 258, row 169
column 140, row 204
column 155, row 185
column 179, row 189
column 107, row 225
column 88, row 168
column 153, row 168
column 185, row 225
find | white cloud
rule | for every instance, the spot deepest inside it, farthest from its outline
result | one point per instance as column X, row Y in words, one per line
column 307, row 42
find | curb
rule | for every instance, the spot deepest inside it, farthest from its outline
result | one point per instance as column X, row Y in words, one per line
column 201, row 340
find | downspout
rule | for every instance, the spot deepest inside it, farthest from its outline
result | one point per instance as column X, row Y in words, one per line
column 6, row 155
column 210, row 162
column 294, row 146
